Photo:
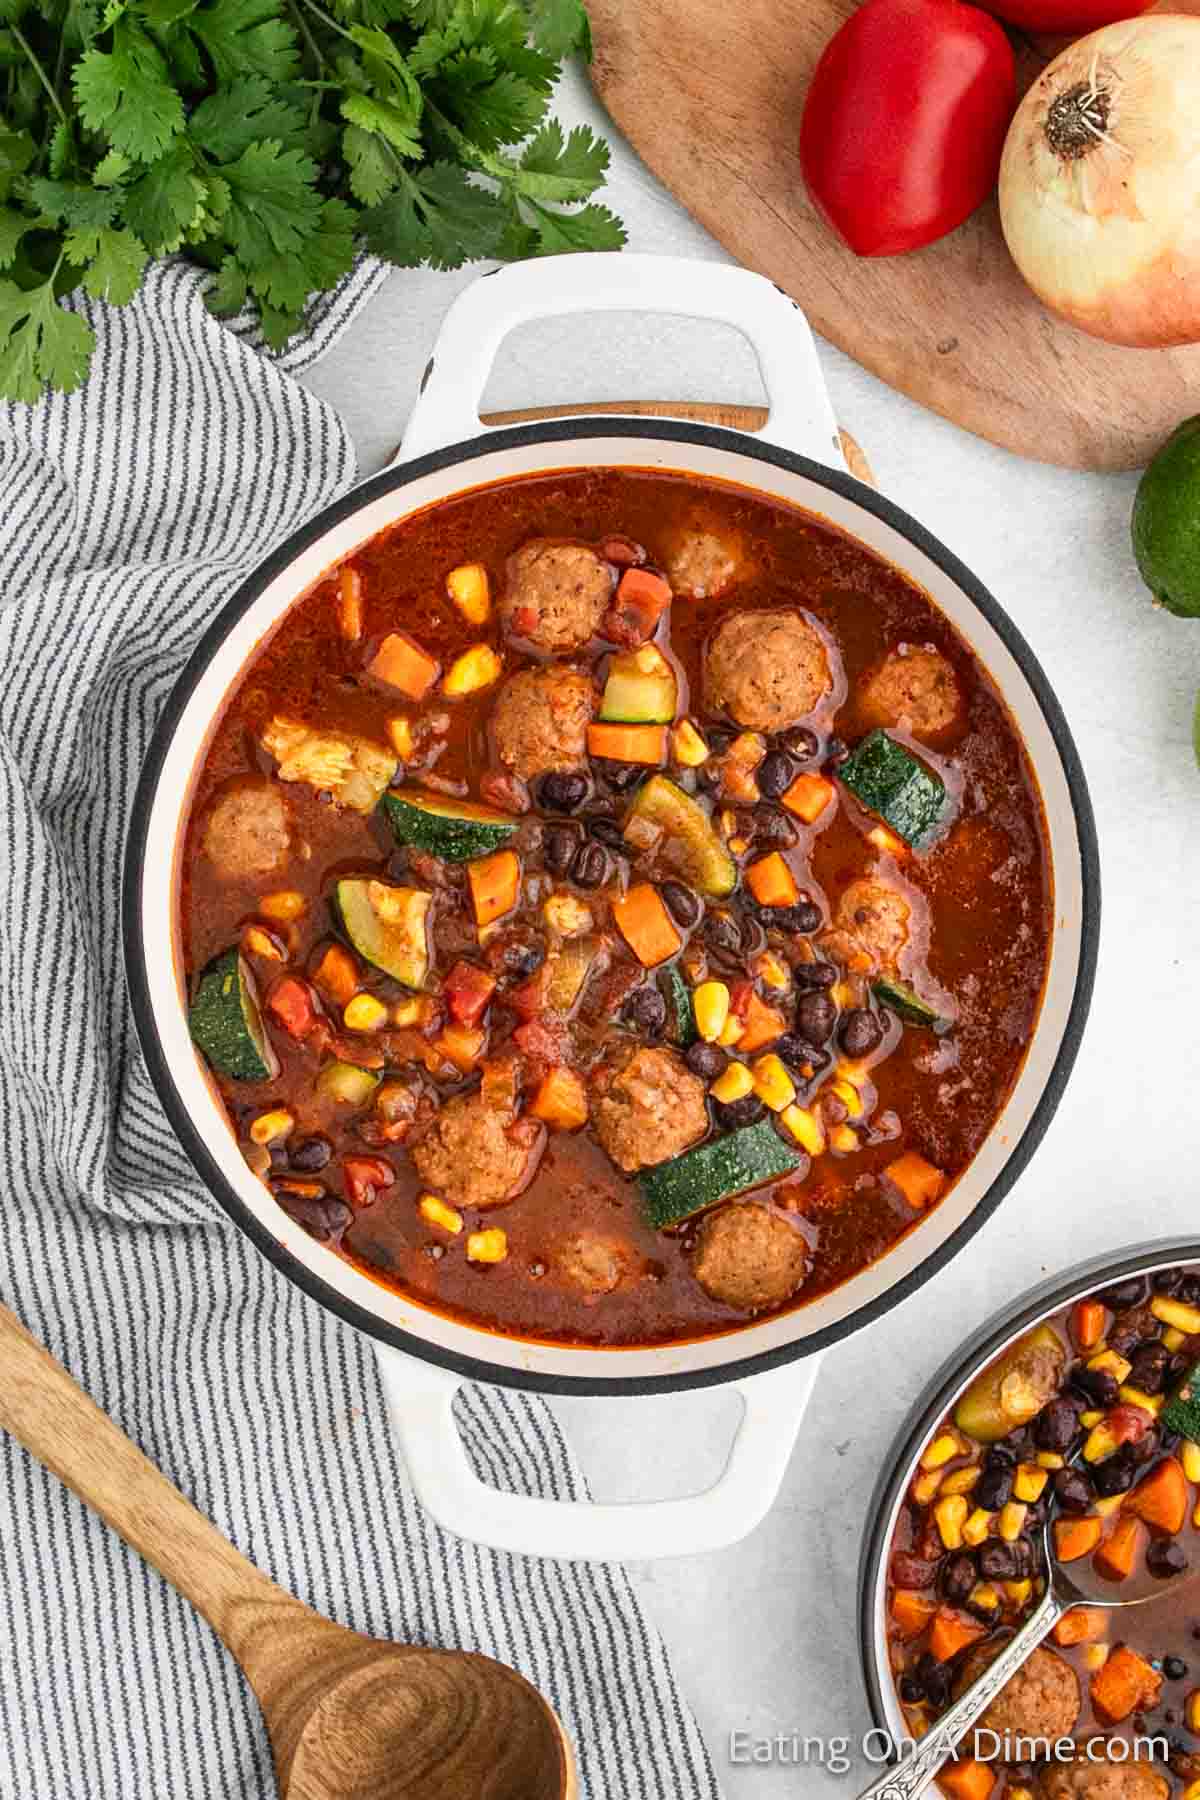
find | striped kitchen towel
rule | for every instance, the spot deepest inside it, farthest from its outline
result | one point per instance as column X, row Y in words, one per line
column 130, row 512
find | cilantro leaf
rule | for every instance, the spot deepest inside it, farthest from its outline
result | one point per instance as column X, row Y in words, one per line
column 593, row 228
column 554, row 169
column 247, row 37
column 382, row 116
column 41, row 343
column 437, row 217
column 490, row 109
column 162, row 205
column 111, row 169
column 372, row 171
column 274, row 204
column 126, row 94
column 116, row 260
column 560, row 26
column 233, row 118
column 71, row 202
column 13, row 226
column 227, row 295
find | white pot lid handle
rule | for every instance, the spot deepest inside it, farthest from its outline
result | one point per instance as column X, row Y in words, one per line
column 421, row 1400
column 447, row 411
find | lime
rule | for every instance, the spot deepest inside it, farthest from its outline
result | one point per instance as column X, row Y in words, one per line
column 1166, row 523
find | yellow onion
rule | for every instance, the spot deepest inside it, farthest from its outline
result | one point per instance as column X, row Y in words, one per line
column 1100, row 182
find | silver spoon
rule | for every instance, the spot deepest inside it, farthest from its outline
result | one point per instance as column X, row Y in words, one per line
column 913, row 1774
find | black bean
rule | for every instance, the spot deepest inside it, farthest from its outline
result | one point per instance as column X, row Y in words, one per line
column 1019, row 1443
column 795, row 1051
column 814, row 975
column 1002, row 1455
column 860, row 1032
column 706, row 1060
column 994, row 1487
column 608, row 832
column 722, row 932
column 774, row 828
column 774, row 774
column 1189, row 1290
column 521, row 959
column 1164, row 1558
column 322, row 1218
column 646, row 1011
column 1057, row 1424
column 591, row 866
column 396, row 866
column 278, row 1154
column 1124, row 1293
column 684, row 906
column 711, row 773
column 958, row 1577
column 559, row 848
column 836, row 753
column 620, row 776
column 1176, row 1369
column 1072, row 1491
column 1098, row 1385
column 816, row 1016
column 1147, row 1366
column 733, row 1113
column 1115, row 1475
column 1027, row 1557
column 311, row 1154
column 804, row 917
column 752, row 937
column 934, row 1678
column 997, row 1561
column 1174, row 1668
column 562, row 791
column 911, row 1691
column 1168, row 1440
column 802, row 742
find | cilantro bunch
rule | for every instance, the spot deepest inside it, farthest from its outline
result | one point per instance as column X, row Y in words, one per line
column 265, row 139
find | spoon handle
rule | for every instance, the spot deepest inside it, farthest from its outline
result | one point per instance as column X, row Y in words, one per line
column 913, row 1774
column 46, row 1410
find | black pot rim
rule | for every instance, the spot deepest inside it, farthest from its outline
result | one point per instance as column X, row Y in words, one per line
column 1028, row 1309
column 556, row 432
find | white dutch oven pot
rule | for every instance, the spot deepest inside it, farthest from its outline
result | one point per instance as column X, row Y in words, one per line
column 423, row 1356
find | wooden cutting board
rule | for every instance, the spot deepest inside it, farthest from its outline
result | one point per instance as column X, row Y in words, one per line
column 710, row 93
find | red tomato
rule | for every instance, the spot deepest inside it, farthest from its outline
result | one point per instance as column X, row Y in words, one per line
column 1068, row 18
column 905, row 122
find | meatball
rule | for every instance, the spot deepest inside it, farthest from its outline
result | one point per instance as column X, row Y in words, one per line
column 1041, row 1700
column 556, row 595
column 541, row 719
column 474, row 1155
column 593, row 1263
column 877, row 915
column 749, row 1257
column 766, row 670
column 647, row 1106
column 914, row 686
column 1094, row 1777
column 702, row 565
column 247, row 831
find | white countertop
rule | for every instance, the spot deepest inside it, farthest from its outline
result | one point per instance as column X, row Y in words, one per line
column 764, row 1635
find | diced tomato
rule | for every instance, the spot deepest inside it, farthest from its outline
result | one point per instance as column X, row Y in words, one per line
column 467, row 990
column 545, row 1040
column 740, row 996
column 638, row 604
column 363, row 1176
column 528, row 1000
column 292, row 1003
column 1129, row 1424
column 524, row 620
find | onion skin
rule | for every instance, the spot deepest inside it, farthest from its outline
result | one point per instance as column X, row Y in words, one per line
column 1104, row 224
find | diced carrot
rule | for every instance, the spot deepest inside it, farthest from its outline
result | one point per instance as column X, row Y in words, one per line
column 808, row 797
column 967, row 1780
column 495, row 883
column 918, row 1180
column 1162, row 1499
column 1087, row 1323
column 467, row 990
column 401, row 663
column 561, row 1100
column 462, row 1045
column 772, row 882
column 337, row 974
column 291, row 1002
column 1082, row 1625
column 350, row 603
column 1118, row 1553
column 363, row 1176
column 951, row 1632
column 1124, row 1684
column 628, row 743
column 1074, row 1538
column 911, row 1611
column 641, row 599
column 763, row 1024
column 646, row 925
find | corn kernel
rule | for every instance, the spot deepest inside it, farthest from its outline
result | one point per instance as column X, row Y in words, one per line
column 844, row 1140
column 1011, row 1521
column 1029, row 1482
column 728, row 824
column 984, row 1595
column 849, row 1096
column 926, row 1486
column 1100, row 1443
column 1133, row 1396
column 772, row 1083
column 734, row 1031
column 365, row 1013
column 271, row 1127
column 735, row 1083
column 487, row 1246
column 710, row 1007
column 1174, row 1339
column 687, row 746
column 469, row 588
column 805, row 1127
column 400, row 737
column 1174, row 1312
column 1116, row 1365
column 961, row 1481
column 1110, row 1504
column 407, row 1012
column 1018, row 1793
column 436, row 1212
column 1090, row 1418
column 567, row 916
column 1191, row 1711
column 1189, row 1455
column 977, row 1526
column 842, row 995
column 286, row 905
column 1017, row 1592
column 1094, row 1657
column 942, row 1450
column 951, row 1515
column 772, row 972
column 260, row 943
column 1050, row 1459
column 1191, row 1791
column 476, row 668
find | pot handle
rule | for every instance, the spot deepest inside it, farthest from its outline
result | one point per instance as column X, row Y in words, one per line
column 420, row 1399
column 447, row 409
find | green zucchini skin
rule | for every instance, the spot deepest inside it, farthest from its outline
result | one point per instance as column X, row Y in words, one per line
column 454, row 830
column 681, row 1019
column 890, row 782
column 701, row 857
column 401, row 947
column 226, row 1023
column 1182, row 1411
column 908, row 1005
column 637, row 696
column 717, row 1170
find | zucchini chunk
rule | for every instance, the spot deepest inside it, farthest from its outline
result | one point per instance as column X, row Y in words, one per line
column 908, row 1005
column 387, row 925
column 455, row 830
column 347, row 1083
column 889, row 781
column 1182, row 1411
column 681, row 1020
column 718, row 1170
column 1012, row 1389
column 693, row 850
column 226, row 1022
column 641, row 688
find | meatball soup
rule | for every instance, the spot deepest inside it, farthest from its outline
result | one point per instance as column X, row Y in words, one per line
column 615, row 906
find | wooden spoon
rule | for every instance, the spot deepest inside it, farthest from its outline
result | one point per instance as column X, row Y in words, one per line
column 349, row 1717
